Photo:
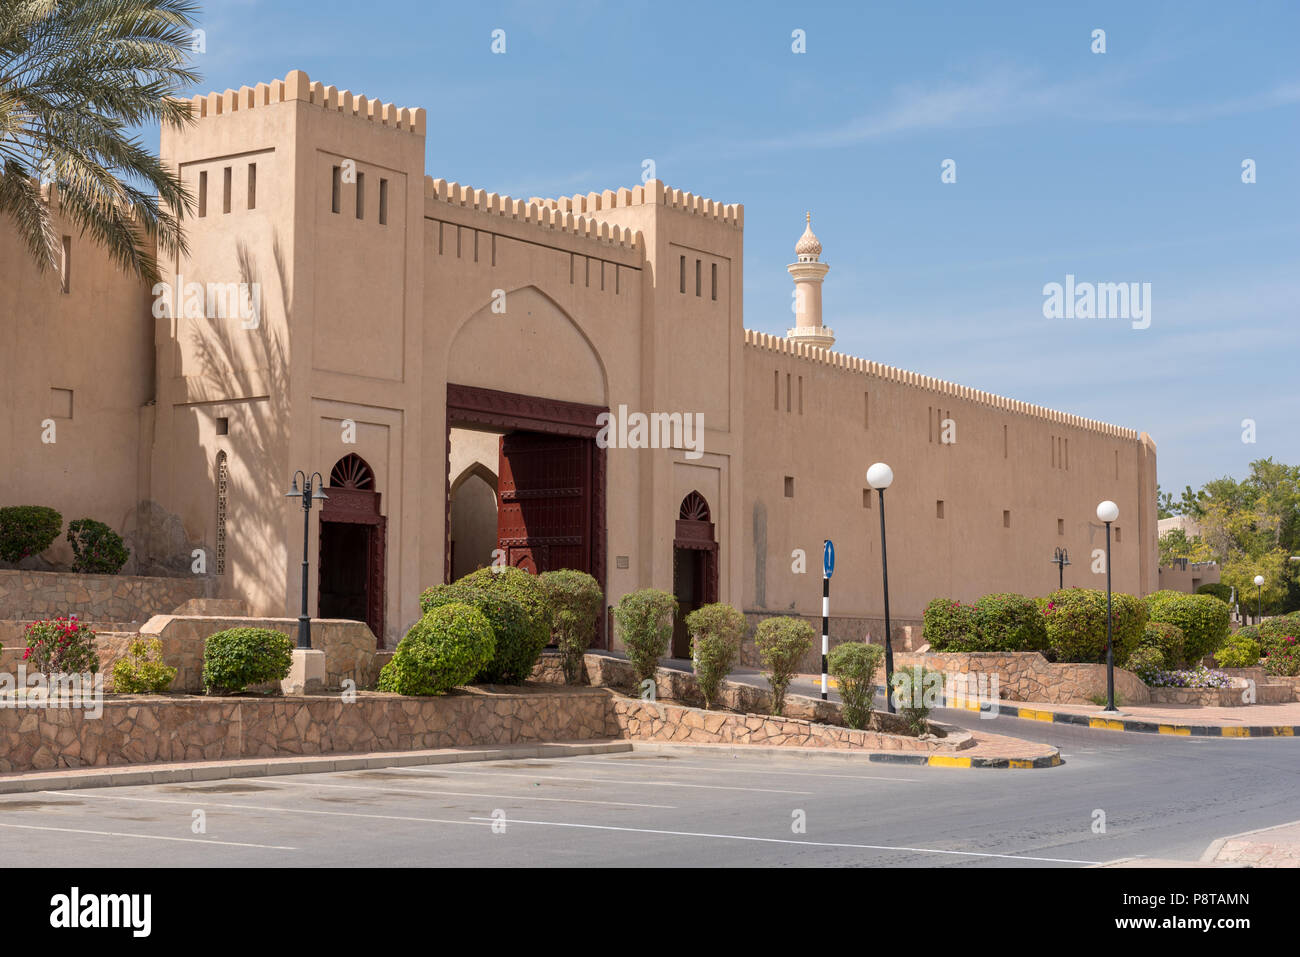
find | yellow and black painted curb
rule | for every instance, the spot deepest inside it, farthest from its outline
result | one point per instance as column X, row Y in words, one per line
column 957, row 761
column 1146, row 727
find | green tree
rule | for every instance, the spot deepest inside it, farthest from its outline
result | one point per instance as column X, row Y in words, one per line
column 75, row 77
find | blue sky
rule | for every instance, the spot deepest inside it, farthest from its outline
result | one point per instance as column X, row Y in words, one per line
column 1115, row 167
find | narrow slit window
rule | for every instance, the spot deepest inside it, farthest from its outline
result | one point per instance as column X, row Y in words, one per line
column 1004, row 441
column 698, row 276
column 1060, row 526
column 336, row 190
column 866, row 498
column 776, row 391
column 203, row 194
column 361, row 196
column 225, row 189
column 65, row 266
column 866, row 410
column 252, row 186
column 789, row 486
column 383, row 210
column 1118, row 537
column 714, row 267
column 787, row 392
column 801, row 395
column 938, row 509
column 682, row 270
column 1006, row 518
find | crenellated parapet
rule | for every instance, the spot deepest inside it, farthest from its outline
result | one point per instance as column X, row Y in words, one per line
column 298, row 86
column 544, row 214
column 652, row 193
column 848, row 363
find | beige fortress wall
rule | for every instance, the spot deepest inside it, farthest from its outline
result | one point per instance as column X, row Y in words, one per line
column 94, row 341
column 573, row 300
column 337, row 336
column 691, row 357
column 853, row 413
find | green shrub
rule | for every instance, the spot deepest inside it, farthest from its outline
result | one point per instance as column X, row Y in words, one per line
column 1203, row 619
column 1145, row 660
column 1238, row 652
column 854, row 665
column 645, row 623
column 1005, row 621
column 716, row 631
column 447, row 647
column 576, row 599
column 61, row 646
column 949, row 625
column 1279, row 640
column 143, row 670
column 1216, row 590
column 1076, row 624
column 1165, row 639
column 27, row 530
column 1273, row 630
column 781, row 642
column 96, row 548
column 518, row 609
column 915, row 691
column 1247, row 631
column 238, row 657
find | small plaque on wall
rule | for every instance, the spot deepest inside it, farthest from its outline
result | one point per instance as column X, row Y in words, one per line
column 621, row 561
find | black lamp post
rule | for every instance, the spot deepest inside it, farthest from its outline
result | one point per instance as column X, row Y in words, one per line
column 879, row 477
column 1060, row 561
column 1108, row 512
column 313, row 490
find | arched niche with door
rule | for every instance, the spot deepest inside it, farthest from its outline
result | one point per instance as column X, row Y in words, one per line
column 695, row 566
column 352, row 547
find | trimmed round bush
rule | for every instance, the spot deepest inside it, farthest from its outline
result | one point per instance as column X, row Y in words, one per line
column 96, row 548
column 1216, row 590
column 238, row 657
column 948, row 625
column 1203, row 619
column 781, row 642
column 854, row 665
column 447, row 647
column 1005, row 621
column 645, row 624
column 716, row 632
column 1238, row 652
column 575, row 598
column 518, row 610
column 1075, row 619
column 1145, row 661
column 1167, row 640
column 27, row 530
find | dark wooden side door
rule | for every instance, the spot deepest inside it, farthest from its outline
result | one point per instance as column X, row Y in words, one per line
column 544, row 517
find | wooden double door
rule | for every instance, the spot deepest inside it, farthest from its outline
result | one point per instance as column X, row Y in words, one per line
column 545, row 494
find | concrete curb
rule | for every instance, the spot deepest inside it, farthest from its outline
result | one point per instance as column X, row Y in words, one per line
column 1216, row 845
column 876, row 757
column 1146, row 727
column 127, row 776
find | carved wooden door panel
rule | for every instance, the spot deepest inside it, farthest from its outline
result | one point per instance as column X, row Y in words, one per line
column 545, row 501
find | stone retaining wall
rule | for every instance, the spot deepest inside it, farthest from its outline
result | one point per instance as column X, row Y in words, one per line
column 28, row 595
column 1028, row 676
column 139, row 729
column 1232, row 697
column 660, row 721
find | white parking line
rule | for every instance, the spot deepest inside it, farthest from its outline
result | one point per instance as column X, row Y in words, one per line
column 556, row 777
column 500, row 797
column 677, row 763
column 781, row 840
column 146, row 837
column 264, row 807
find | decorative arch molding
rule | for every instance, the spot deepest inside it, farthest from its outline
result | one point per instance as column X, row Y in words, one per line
column 352, row 472
column 694, row 508
column 458, row 342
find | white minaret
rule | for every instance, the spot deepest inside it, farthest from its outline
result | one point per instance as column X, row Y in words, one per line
column 808, row 272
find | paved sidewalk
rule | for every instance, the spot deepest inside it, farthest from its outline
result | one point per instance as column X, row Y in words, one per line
column 1248, row 721
column 1269, row 847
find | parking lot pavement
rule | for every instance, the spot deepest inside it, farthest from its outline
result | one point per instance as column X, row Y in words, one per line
column 630, row 809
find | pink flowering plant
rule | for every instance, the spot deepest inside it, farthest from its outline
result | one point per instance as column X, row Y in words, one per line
column 61, row 646
column 1282, row 656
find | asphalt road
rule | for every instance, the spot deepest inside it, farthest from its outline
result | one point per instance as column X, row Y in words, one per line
column 1162, row 797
